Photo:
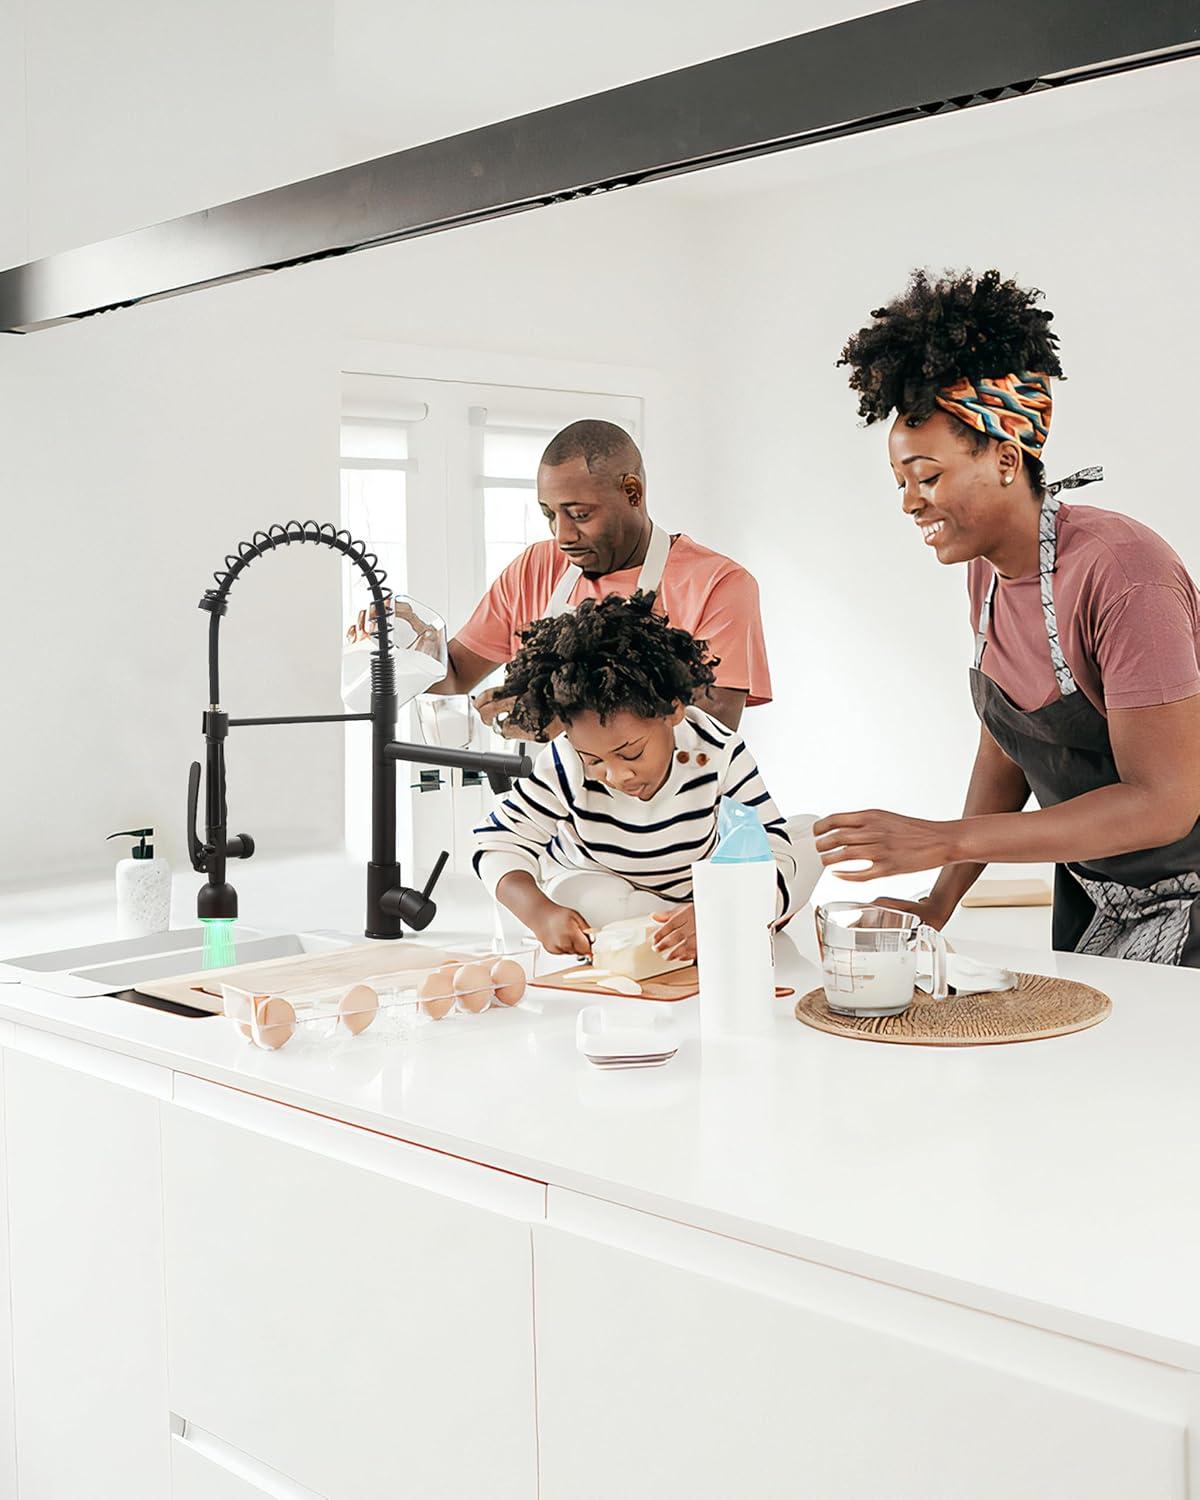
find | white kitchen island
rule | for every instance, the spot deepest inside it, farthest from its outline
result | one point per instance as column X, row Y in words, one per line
column 474, row 1265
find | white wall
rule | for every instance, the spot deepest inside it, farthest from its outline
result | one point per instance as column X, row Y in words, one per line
column 121, row 114
column 135, row 450
column 1090, row 194
column 146, row 443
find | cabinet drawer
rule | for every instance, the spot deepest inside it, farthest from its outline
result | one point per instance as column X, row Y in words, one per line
column 363, row 1334
column 674, row 1362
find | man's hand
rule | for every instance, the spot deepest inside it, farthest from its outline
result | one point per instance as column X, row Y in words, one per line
column 894, row 844
column 493, row 708
column 676, row 937
column 561, row 930
column 365, row 627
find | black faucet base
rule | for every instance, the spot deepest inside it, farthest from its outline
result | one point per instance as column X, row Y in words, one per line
column 382, row 878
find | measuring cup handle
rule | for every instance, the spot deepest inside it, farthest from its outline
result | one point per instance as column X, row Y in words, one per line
column 936, row 944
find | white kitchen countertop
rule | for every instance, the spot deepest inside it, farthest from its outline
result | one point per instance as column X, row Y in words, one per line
column 1056, row 1182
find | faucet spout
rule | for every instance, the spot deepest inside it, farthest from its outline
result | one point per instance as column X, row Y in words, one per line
column 390, row 903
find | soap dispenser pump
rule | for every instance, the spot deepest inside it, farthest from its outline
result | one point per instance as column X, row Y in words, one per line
column 143, row 888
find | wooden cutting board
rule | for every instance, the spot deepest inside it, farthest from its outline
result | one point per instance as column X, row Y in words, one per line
column 303, row 970
column 1009, row 893
column 683, row 984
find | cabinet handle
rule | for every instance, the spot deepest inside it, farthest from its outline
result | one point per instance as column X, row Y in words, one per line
column 402, row 1161
column 216, row 1453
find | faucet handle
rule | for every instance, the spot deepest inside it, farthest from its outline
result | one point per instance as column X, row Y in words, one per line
column 413, row 906
column 196, row 850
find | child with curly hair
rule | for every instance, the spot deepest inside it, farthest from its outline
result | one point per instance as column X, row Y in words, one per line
column 624, row 800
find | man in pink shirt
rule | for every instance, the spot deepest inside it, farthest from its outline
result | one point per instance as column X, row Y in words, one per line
column 592, row 491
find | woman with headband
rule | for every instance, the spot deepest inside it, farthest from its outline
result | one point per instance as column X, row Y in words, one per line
column 1087, row 637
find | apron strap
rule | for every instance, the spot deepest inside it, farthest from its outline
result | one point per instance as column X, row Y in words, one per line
column 1076, row 481
column 559, row 599
column 658, row 549
column 985, row 619
column 1047, row 566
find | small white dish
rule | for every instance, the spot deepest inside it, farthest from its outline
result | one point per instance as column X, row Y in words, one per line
column 618, row 1038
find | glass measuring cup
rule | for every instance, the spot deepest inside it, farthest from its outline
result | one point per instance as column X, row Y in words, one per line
column 869, row 958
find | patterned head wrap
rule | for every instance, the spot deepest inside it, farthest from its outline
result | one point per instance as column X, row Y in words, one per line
column 1014, row 408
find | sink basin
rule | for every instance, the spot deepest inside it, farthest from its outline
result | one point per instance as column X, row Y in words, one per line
column 115, row 967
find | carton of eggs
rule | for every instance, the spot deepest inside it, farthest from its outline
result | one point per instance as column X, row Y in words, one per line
column 393, row 1003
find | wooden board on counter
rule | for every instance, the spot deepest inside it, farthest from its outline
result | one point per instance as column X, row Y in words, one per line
column 683, row 984
column 1008, row 893
column 202, row 989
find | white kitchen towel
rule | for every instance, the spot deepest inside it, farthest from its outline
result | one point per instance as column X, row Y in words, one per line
column 967, row 976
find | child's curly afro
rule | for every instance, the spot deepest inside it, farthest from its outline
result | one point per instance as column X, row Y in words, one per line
column 605, row 656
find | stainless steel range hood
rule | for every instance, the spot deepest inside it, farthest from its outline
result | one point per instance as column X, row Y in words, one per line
column 883, row 69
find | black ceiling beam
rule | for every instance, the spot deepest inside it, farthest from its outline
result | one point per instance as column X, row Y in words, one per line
column 882, row 69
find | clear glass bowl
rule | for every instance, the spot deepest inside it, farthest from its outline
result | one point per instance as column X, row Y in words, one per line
column 391, row 1005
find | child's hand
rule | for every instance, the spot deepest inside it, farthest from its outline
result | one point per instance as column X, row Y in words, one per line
column 676, row 938
column 561, row 930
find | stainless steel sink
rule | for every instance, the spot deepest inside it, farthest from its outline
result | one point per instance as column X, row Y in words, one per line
column 116, row 967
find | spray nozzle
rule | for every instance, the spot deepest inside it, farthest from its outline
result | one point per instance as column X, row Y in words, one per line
column 142, row 850
column 741, row 838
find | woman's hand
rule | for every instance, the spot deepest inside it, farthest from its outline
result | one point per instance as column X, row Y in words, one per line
column 930, row 910
column 676, row 938
column 894, row 844
column 561, row 930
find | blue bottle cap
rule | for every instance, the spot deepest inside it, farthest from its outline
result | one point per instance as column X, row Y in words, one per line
column 742, row 840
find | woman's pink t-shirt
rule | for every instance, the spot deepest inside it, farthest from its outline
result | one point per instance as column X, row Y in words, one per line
column 702, row 592
column 1128, row 617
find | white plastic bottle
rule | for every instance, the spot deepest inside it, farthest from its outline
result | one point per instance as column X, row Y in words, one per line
column 143, row 888
column 735, row 896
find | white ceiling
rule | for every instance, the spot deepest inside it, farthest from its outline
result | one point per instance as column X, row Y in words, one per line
column 407, row 73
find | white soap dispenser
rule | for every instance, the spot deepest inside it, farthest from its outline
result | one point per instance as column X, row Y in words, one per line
column 143, row 888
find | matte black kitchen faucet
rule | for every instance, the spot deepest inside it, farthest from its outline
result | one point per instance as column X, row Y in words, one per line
column 389, row 902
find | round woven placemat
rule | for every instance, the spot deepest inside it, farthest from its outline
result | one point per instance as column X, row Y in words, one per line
column 1038, row 1007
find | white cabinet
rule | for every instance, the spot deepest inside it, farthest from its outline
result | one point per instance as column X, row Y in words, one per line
column 672, row 1362
column 85, row 1237
column 8, row 1438
column 350, row 1311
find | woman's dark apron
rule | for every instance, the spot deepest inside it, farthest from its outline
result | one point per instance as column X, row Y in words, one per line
column 1144, row 905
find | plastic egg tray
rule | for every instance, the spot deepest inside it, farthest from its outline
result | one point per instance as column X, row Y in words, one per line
column 392, row 1005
